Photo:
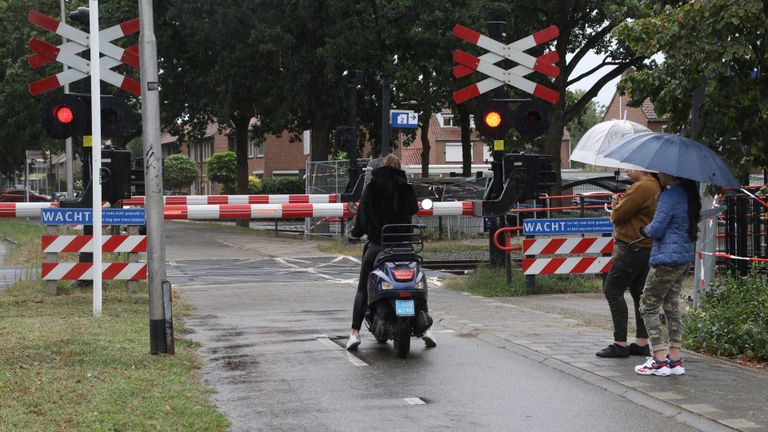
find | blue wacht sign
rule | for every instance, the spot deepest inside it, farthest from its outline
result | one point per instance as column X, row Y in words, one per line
column 84, row 216
column 567, row 226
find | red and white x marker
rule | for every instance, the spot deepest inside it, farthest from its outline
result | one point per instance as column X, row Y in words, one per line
column 498, row 76
column 67, row 54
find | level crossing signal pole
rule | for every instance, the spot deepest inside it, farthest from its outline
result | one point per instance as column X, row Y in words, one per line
column 160, row 318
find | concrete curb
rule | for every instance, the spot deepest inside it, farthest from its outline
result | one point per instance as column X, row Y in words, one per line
column 660, row 406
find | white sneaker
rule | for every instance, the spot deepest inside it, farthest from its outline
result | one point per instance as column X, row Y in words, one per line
column 652, row 367
column 429, row 339
column 353, row 342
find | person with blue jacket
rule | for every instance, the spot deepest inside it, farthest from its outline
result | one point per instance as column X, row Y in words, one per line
column 673, row 230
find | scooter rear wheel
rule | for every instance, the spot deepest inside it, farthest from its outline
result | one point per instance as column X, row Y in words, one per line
column 403, row 337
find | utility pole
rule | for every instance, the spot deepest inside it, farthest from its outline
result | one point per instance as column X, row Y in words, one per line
column 68, row 142
column 386, row 132
column 159, row 316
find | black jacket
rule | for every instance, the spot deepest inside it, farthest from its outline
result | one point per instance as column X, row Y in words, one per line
column 387, row 199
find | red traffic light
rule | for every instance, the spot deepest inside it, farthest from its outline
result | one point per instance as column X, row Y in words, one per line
column 64, row 114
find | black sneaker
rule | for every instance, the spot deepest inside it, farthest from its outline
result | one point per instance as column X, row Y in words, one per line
column 637, row 350
column 613, row 350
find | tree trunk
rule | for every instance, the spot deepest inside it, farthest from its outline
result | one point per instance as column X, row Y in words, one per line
column 240, row 123
column 466, row 143
column 553, row 142
column 425, row 147
column 320, row 140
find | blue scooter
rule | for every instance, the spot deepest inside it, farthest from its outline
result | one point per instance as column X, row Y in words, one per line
column 397, row 289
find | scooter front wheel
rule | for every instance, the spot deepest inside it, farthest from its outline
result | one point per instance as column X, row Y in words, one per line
column 403, row 337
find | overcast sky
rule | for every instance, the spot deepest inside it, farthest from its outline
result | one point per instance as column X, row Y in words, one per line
column 589, row 61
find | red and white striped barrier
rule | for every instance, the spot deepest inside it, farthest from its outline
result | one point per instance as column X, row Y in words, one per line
column 84, row 271
column 728, row 256
column 251, row 211
column 567, row 246
column 237, row 199
column 576, row 265
column 24, row 209
column 292, row 211
column 84, row 243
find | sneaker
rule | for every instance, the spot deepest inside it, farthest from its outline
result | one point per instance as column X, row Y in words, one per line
column 652, row 367
column 353, row 342
column 637, row 350
column 612, row 351
column 675, row 366
column 429, row 339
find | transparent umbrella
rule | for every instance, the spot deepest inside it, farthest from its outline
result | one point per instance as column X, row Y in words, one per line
column 601, row 137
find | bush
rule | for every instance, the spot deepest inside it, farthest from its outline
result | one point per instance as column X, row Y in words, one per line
column 254, row 185
column 282, row 185
column 733, row 318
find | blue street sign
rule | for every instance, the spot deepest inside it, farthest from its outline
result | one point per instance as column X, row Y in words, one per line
column 84, row 216
column 403, row 119
column 567, row 226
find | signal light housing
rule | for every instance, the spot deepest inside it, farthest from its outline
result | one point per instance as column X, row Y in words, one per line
column 69, row 115
column 532, row 118
column 493, row 120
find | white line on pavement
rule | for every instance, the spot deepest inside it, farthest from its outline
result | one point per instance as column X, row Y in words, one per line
column 414, row 401
column 350, row 357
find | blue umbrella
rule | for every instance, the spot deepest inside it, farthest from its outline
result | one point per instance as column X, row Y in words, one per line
column 675, row 155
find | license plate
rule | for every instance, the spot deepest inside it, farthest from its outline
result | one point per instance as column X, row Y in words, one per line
column 405, row 308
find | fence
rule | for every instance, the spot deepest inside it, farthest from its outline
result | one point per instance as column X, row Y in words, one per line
column 325, row 177
column 742, row 229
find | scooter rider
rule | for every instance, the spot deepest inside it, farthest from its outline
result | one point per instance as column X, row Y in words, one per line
column 387, row 199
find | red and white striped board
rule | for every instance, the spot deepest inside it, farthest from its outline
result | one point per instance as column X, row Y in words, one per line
column 572, row 265
column 24, row 209
column 568, row 246
column 497, row 76
column 84, row 271
column 84, row 243
column 294, row 210
column 252, row 211
column 67, row 54
column 238, row 199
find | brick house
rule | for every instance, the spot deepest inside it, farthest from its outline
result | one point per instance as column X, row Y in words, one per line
column 275, row 156
column 645, row 114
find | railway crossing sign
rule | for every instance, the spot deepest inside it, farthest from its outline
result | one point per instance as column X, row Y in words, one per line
column 497, row 76
column 79, row 41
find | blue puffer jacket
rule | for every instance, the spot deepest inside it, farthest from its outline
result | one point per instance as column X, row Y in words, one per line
column 669, row 229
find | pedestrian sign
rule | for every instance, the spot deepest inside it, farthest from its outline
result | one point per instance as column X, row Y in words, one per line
column 404, row 119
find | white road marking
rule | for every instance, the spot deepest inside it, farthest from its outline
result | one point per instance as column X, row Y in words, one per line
column 349, row 356
column 414, row 401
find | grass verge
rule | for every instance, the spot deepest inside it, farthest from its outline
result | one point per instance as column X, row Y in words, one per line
column 25, row 250
column 62, row 369
column 490, row 282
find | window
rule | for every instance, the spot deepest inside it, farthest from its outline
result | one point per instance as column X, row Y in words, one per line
column 487, row 154
column 449, row 120
column 453, row 152
column 232, row 143
column 256, row 147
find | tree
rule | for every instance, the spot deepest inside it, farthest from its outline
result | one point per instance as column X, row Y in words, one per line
column 585, row 26
column 179, row 171
column 725, row 58
column 590, row 116
column 222, row 168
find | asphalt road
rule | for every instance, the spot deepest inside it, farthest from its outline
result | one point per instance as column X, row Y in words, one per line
column 272, row 317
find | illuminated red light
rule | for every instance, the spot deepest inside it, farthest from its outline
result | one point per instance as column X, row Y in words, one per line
column 64, row 114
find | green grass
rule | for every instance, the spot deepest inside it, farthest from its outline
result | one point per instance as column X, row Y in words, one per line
column 24, row 250
column 341, row 247
column 62, row 369
column 490, row 282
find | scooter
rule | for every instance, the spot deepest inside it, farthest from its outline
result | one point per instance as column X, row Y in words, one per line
column 397, row 289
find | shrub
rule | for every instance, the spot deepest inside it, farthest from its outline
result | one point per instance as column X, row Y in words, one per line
column 283, row 185
column 733, row 318
column 254, row 185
